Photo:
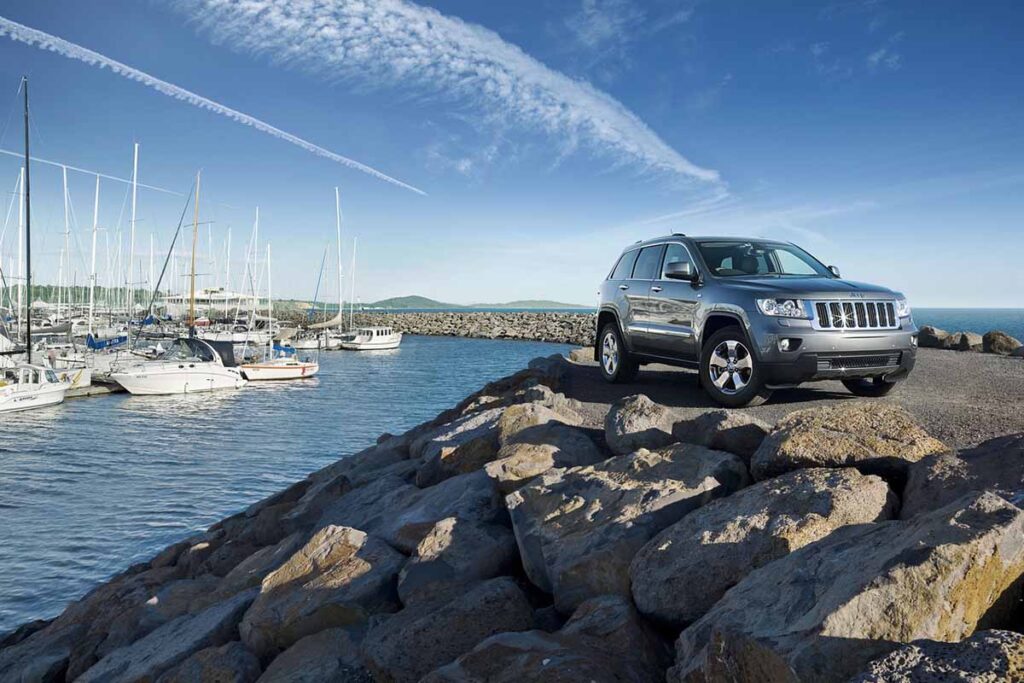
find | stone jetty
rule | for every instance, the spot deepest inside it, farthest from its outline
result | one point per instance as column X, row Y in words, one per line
column 559, row 327
column 516, row 538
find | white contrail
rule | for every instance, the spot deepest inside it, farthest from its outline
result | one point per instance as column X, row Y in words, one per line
column 401, row 43
column 45, row 41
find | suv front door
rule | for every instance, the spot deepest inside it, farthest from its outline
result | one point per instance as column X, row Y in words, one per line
column 671, row 308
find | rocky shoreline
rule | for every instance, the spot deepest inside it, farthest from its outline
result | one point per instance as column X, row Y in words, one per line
column 558, row 327
column 510, row 540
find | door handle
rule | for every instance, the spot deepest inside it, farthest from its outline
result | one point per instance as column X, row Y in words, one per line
column 655, row 288
column 623, row 287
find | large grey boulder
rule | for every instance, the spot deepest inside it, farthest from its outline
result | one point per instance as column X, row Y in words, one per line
column 167, row 602
column 231, row 663
column 996, row 465
column 579, row 529
column 460, row 431
column 417, row 640
column 456, row 553
column 985, row 657
column 550, row 446
column 582, row 355
column 339, row 578
column 873, row 436
column 402, row 514
column 635, row 422
column 723, row 430
column 824, row 611
column 683, row 571
column 964, row 341
column 604, row 641
column 147, row 658
column 250, row 572
column 331, row 655
column 999, row 342
column 930, row 337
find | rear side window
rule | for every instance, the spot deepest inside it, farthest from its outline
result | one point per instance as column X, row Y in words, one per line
column 624, row 267
column 648, row 263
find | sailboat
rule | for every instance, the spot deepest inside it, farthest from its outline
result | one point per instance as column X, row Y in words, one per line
column 278, row 367
column 191, row 365
column 27, row 386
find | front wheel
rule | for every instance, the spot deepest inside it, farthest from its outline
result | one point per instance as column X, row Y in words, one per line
column 616, row 365
column 729, row 371
column 871, row 387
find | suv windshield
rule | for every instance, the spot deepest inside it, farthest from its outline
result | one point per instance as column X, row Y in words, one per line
column 734, row 258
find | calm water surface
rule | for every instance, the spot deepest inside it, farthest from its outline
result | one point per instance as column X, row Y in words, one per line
column 980, row 320
column 92, row 486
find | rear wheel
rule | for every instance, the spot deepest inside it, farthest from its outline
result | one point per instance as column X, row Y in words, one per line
column 729, row 370
column 871, row 386
column 616, row 365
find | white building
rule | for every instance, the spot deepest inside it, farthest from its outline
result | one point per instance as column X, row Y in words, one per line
column 212, row 302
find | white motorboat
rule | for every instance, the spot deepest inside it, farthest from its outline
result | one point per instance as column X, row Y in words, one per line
column 285, row 367
column 25, row 387
column 373, row 339
column 306, row 343
column 189, row 366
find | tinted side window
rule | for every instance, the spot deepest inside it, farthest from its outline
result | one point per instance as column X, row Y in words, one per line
column 648, row 263
column 625, row 265
column 675, row 253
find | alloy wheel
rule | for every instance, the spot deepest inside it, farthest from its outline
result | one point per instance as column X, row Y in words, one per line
column 731, row 366
column 610, row 354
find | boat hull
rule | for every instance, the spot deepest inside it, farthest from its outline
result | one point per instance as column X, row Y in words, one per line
column 371, row 345
column 171, row 378
column 270, row 372
column 14, row 400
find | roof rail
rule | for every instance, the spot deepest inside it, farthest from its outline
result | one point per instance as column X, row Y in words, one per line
column 679, row 234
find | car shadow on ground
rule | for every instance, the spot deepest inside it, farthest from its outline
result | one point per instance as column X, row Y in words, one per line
column 680, row 388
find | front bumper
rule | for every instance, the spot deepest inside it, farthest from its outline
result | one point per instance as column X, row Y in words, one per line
column 822, row 355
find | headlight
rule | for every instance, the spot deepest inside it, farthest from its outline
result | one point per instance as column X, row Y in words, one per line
column 782, row 308
column 902, row 308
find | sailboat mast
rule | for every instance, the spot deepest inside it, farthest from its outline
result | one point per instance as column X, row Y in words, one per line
column 92, row 266
column 21, row 244
column 192, row 275
column 352, row 289
column 67, row 251
column 337, row 216
column 28, row 235
column 131, row 239
column 270, row 307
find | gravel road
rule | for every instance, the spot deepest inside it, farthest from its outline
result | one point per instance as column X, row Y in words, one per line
column 961, row 398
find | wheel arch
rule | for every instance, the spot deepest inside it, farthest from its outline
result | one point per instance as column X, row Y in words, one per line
column 718, row 320
column 605, row 316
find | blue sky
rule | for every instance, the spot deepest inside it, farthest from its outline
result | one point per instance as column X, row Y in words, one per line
column 884, row 137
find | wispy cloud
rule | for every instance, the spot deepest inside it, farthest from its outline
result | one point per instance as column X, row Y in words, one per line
column 395, row 42
column 45, row 41
column 887, row 56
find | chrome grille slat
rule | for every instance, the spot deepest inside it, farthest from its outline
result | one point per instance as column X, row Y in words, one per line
column 854, row 315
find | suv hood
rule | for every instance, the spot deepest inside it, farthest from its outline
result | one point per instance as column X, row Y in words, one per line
column 806, row 287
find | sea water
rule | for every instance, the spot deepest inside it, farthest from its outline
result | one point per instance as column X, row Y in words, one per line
column 94, row 485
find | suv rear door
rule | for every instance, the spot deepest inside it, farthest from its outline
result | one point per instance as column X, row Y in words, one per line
column 638, row 293
column 672, row 306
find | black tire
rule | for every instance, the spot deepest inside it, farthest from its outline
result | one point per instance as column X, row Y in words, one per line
column 616, row 367
column 871, row 387
column 732, row 380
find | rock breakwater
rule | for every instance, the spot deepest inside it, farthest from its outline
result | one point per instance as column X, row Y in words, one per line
column 509, row 539
column 562, row 328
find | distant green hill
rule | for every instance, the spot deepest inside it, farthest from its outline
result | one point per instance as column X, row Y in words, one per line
column 530, row 303
column 410, row 302
column 407, row 302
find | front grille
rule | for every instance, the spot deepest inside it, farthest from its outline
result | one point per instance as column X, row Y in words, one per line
column 855, row 315
column 849, row 362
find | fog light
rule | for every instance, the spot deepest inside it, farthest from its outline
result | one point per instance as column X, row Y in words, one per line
column 789, row 344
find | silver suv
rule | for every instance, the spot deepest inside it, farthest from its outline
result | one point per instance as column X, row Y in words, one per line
column 751, row 315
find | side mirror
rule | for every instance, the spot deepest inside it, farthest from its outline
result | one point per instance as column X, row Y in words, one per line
column 834, row 271
column 681, row 270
